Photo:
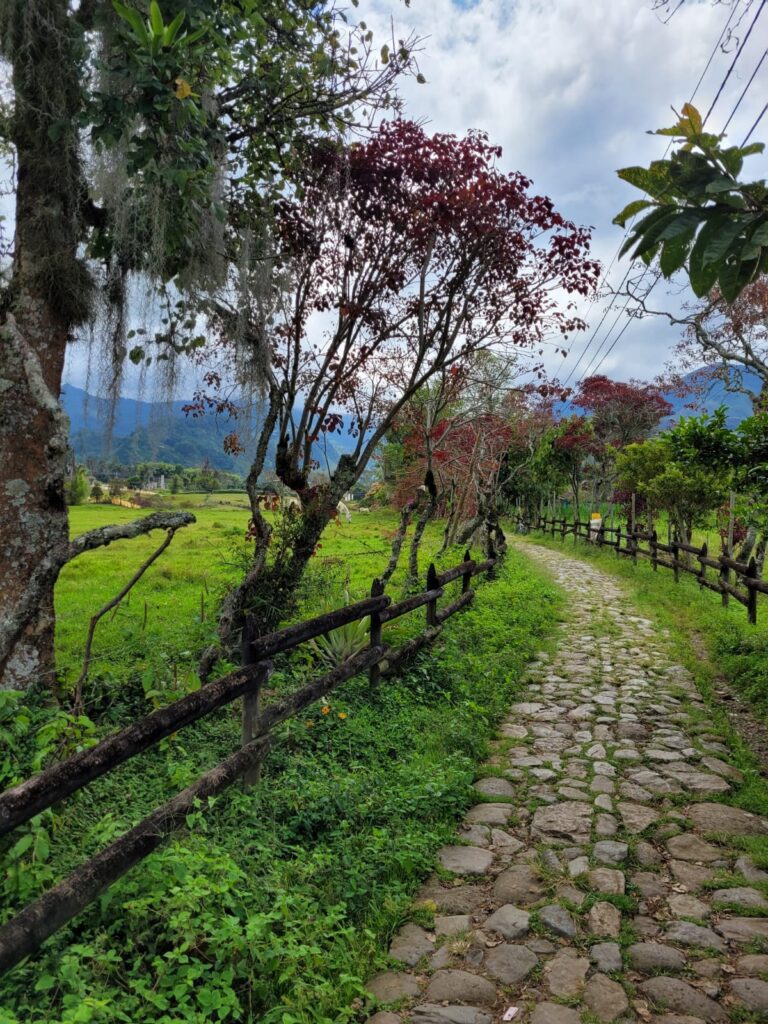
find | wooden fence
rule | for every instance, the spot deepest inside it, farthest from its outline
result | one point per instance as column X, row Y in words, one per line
column 696, row 562
column 25, row 932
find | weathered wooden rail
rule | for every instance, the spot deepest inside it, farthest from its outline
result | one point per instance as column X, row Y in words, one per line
column 25, row 933
column 744, row 573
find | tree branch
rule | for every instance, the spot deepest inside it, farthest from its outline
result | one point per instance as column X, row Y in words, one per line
column 104, row 535
column 108, row 607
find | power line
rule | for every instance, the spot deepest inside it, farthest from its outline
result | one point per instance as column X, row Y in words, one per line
column 758, row 119
column 730, row 117
column 592, row 302
column 740, row 50
column 744, row 92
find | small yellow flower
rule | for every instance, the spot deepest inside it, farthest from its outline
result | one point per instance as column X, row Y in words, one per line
column 326, row 710
column 342, row 714
column 310, row 724
column 183, row 89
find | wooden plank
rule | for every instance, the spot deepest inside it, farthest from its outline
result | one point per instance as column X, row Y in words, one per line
column 28, row 798
column 394, row 611
column 27, row 931
column 455, row 606
column 392, row 662
column 453, row 574
column 289, row 706
column 292, row 636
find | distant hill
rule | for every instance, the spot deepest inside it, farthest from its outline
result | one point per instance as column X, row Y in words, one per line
column 738, row 406
column 161, row 432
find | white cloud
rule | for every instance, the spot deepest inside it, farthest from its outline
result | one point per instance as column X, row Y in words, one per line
column 568, row 89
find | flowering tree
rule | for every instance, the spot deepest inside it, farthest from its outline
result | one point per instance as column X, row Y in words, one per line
column 412, row 252
column 621, row 413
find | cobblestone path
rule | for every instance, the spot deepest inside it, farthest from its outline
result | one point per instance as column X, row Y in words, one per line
column 597, row 879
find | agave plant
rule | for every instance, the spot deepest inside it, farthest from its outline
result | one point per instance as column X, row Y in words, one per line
column 343, row 642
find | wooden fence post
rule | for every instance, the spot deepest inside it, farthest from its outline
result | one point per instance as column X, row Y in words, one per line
column 633, row 541
column 432, row 584
column 655, row 551
column 601, row 535
column 374, row 635
column 251, row 702
column 634, row 512
column 702, row 564
column 676, row 558
column 618, row 541
column 466, row 579
column 725, row 578
column 751, row 592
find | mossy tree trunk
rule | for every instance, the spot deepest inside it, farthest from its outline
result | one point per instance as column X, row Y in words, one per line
column 48, row 293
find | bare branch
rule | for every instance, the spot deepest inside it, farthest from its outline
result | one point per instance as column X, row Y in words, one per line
column 108, row 607
column 104, row 535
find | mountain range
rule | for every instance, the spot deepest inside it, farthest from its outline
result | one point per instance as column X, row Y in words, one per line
column 161, row 432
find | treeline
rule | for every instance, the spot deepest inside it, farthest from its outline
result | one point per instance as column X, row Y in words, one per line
column 103, row 480
column 474, row 446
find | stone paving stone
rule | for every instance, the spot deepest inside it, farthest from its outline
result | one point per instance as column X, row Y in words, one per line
column 410, row 944
column 391, row 986
column 519, row 884
column 605, row 998
column 465, row 860
column 461, row 987
column 674, row 994
column 509, row 921
column 610, row 739
column 510, row 964
column 566, row 973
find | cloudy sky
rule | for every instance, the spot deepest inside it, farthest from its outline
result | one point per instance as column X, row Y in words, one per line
column 569, row 88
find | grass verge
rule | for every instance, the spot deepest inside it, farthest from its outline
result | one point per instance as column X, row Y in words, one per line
column 278, row 903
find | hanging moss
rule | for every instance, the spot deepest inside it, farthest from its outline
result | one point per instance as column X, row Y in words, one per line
column 41, row 42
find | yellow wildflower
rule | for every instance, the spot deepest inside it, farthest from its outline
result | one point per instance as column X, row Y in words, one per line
column 183, row 89
column 326, row 710
column 342, row 714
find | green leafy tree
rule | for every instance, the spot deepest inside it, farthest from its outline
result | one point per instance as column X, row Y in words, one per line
column 97, row 491
column 148, row 139
column 702, row 215
column 687, row 472
column 78, row 488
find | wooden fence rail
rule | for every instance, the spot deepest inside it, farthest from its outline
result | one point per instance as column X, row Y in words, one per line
column 25, row 933
column 745, row 572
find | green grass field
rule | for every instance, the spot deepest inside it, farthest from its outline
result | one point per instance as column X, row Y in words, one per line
column 274, row 905
column 170, row 615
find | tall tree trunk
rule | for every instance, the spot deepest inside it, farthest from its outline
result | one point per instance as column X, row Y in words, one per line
column 48, row 293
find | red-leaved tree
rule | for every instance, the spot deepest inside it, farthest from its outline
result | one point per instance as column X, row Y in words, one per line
column 397, row 258
column 621, row 413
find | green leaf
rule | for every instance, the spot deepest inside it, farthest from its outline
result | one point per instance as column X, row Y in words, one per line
column 728, row 279
column 630, row 210
column 675, row 251
column 721, row 185
column 651, row 235
column 659, row 213
column 721, row 242
column 156, row 18
column 172, row 30
column 687, row 221
column 654, row 182
column 760, row 236
column 702, row 277
column 134, row 19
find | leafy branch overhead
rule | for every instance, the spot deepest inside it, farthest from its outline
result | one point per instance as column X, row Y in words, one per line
column 702, row 216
